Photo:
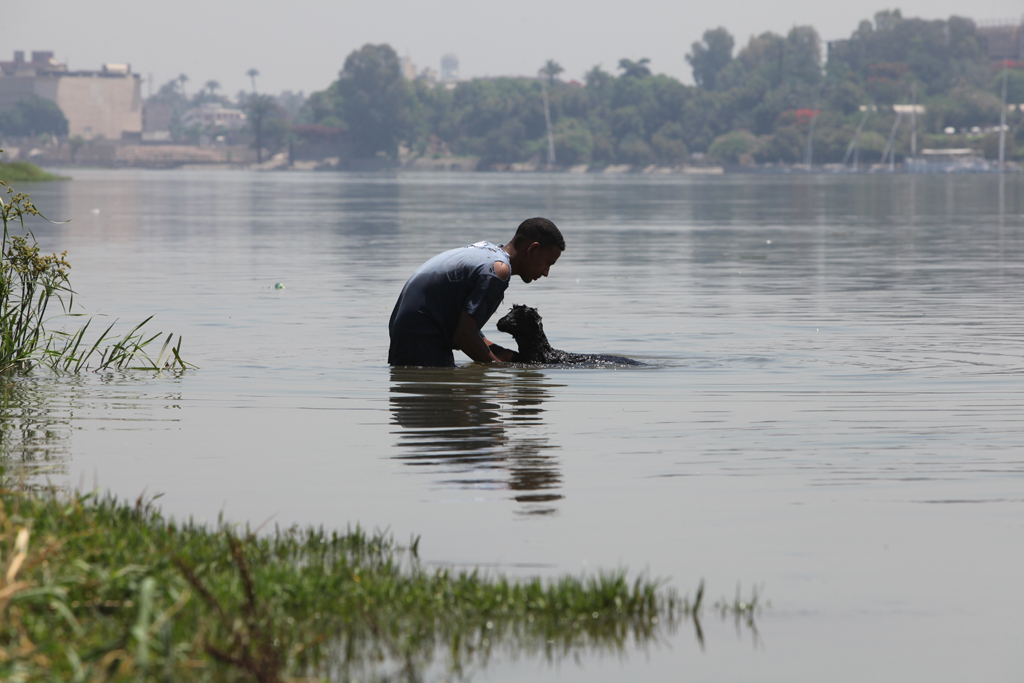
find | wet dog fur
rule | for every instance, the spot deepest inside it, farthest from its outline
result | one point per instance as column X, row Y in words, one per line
column 525, row 326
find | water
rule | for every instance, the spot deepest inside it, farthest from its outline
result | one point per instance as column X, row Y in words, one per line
column 833, row 408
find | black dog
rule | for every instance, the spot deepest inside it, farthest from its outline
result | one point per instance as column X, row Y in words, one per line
column 524, row 324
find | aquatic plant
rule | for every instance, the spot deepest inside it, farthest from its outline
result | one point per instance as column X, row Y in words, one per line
column 29, row 283
column 92, row 588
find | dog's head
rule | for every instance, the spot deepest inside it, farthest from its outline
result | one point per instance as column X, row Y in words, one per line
column 522, row 322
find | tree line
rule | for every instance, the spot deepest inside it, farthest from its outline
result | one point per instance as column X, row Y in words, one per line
column 759, row 103
column 778, row 98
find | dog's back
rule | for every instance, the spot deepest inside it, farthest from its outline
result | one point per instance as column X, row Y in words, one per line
column 525, row 326
column 566, row 358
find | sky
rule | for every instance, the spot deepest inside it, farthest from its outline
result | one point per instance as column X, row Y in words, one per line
column 300, row 45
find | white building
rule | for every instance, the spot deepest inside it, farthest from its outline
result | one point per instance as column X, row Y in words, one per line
column 408, row 68
column 213, row 115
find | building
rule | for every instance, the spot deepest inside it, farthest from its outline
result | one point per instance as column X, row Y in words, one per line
column 98, row 104
column 1003, row 40
column 427, row 75
column 450, row 67
column 407, row 68
column 42, row 62
column 215, row 116
column 156, row 121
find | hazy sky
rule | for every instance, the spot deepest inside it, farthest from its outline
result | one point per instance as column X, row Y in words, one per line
column 302, row 44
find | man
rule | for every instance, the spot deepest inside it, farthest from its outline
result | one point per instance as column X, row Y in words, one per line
column 449, row 298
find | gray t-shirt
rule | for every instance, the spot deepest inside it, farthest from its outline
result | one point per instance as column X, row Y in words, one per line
column 428, row 309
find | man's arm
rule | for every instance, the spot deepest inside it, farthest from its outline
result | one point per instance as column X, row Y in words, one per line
column 468, row 339
column 503, row 354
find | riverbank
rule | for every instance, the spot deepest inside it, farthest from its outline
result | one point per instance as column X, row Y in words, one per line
column 24, row 172
column 189, row 157
column 120, row 154
column 97, row 587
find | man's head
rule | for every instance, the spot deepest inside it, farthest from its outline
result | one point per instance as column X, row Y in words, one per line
column 537, row 245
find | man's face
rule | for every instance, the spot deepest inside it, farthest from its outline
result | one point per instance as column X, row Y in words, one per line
column 539, row 261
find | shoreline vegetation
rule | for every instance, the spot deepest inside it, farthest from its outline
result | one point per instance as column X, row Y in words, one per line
column 212, row 160
column 25, row 172
column 32, row 285
column 92, row 588
column 925, row 94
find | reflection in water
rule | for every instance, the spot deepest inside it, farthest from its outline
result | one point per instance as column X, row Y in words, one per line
column 449, row 642
column 479, row 427
column 40, row 412
column 34, row 431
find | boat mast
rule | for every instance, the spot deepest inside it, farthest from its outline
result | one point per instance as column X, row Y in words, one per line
column 913, row 121
column 889, row 148
column 809, row 151
column 853, row 146
column 1002, row 124
column 547, row 119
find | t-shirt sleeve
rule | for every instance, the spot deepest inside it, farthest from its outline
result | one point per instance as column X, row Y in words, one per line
column 485, row 298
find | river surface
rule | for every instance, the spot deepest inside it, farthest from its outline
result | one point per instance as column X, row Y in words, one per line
column 833, row 408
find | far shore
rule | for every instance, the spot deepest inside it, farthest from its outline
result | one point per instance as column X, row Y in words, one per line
column 240, row 157
column 466, row 166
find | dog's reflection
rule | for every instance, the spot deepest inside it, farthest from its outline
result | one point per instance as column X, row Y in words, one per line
column 481, row 428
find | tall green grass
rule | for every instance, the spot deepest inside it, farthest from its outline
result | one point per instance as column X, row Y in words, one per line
column 92, row 588
column 32, row 285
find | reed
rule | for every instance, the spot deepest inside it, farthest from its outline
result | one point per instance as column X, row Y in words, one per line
column 31, row 285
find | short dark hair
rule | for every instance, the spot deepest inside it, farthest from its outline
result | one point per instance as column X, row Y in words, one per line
column 538, row 230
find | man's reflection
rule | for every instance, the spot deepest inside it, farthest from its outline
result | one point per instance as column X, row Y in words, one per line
column 482, row 428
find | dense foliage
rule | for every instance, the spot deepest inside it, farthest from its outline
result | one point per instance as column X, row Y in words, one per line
column 33, row 116
column 759, row 104
column 267, row 124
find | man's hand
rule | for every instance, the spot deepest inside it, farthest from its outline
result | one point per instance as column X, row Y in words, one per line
column 468, row 339
column 502, row 354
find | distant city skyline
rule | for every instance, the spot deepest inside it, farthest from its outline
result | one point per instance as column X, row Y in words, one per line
column 301, row 45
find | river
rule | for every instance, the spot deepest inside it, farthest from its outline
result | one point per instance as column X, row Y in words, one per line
column 832, row 410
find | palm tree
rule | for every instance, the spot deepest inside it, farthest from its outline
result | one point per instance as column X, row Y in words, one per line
column 597, row 78
column 253, row 73
column 257, row 108
column 547, row 73
column 182, row 79
column 212, row 87
column 637, row 69
column 551, row 69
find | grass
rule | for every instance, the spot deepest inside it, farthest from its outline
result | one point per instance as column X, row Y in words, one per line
column 23, row 172
column 96, row 589
column 31, row 284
